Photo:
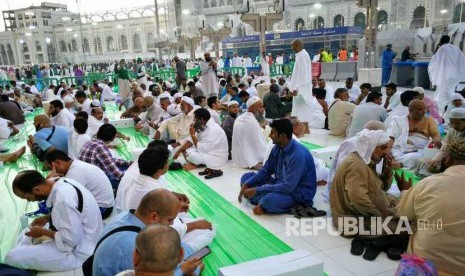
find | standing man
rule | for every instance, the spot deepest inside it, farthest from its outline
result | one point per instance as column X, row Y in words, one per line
column 446, row 69
column 210, row 86
column 180, row 71
column 122, row 72
column 386, row 62
column 301, row 82
column 141, row 77
column 264, row 64
column 236, row 61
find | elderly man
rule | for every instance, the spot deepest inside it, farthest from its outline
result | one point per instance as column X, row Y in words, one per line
column 248, row 140
column 370, row 111
column 135, row 110
column 435, row 206
column 115, row 253
column 412, row 134
column 208, row 78
column 150, row 116
column 287, row 179
column 228, row 123
column 207, row 145
column 60, row 116
column 340, row 113
column 431, row 105
column 402, row 109
column 300, row 84
column 47, row 137
column 456, row 101
column 96, row 152
column 354, row 90
column 74, row 225
column 179, row 125
column 457, row 132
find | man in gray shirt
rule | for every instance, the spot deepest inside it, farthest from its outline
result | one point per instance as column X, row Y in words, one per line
column 180, row 70
column 371, row 110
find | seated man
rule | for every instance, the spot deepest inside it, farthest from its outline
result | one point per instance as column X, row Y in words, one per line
column 47, row 137
column 457, row 132
column 369, row 111
column 228, row 123
column 74, row 225
column 96, row 152
column 340, row 112
column 248, row 141
column 364, row 91
column 60, row 116
column 412, row 134
column 274, row 108
column 294, row 180
column 402, row 109
column 95, row 121
column 354, row 90
column 114, row 254
column 214, row 105
column 78, row 138
column 158, row 249
column 356, row 173
column 82, row 102
column 135, row 110
column 88, row 175
column 9, row 110
column 455, row 101
column 207, row 145
column 179, row 125
column 435, row 206
column 150, row 116
column 430, row 103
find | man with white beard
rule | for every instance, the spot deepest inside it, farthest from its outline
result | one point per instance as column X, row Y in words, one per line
column 446, row 69
column 208, row 78
column 248, row 141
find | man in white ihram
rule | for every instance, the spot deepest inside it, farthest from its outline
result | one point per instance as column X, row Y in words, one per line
column 210, row 84
column 446, row 69
column 301, row 83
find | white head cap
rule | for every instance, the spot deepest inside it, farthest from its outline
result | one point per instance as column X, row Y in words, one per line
column 173, row 109
column 419, row 90
column 251, row 101
column 456, row 96
column 457, row 113
column 95, row 103
column 68, row 99
column 188, row 100
column 231, row 103
column 177, row 95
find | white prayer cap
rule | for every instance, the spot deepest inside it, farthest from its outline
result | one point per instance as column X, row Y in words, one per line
column 249, row 77
column 101, row 85
column 165, row 94
column 456, row 96
column 173, row 109
column 231, row 103
column 95, row 103
column 457, row 113
column 68, row 99
column 177, row 95
column 419, row 90
column 252, row 101
column 188, row 101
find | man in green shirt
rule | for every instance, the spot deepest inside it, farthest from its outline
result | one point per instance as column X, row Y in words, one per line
column 122, row 72
column 274, row 108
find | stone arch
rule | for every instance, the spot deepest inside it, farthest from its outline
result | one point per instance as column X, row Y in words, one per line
column 148, row 13
column 98, row 46
column 3, row 55
column 419, row 18
column 459, row 13
column 74, row 45
column 121, row 15
column 137, row 43
column 124, row 42
column 108, row 16
column 110, row 44
column 360, row 20
column 383, row 18
column 97, row 18
column 9, row 52
column 134, row 14
column 299, row 24
column 86, row 45
column 338, row 21
column 318, row 22
column 63, row 46
column 150, row 41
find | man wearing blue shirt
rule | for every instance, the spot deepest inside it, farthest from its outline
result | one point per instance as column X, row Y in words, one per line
column 47, row 137
column 386, row 62
column 115, row 253
column 294, row 180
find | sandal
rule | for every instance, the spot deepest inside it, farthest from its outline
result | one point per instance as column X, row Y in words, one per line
column 175, row 166
column 309, row 212
column 358, row 245
column 214, row 173
column 205, row 172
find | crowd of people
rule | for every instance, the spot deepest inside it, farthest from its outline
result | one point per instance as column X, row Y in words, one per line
column 215, row 120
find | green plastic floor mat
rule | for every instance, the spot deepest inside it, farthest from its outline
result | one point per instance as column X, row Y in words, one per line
column 310, row 146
